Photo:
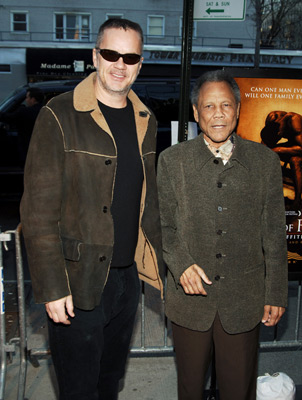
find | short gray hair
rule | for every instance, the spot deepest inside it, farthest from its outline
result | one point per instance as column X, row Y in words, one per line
column 119, row 23
column 215, row 76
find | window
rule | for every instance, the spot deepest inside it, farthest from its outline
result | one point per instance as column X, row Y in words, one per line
column 194, row 34
column 72, row 27
column 5, row 68
column 111, row 16
column 156, row 25
column 19, row 21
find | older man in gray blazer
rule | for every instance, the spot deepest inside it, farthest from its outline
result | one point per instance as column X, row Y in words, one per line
column 224, row 242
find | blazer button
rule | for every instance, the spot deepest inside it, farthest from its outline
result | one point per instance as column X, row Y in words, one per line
column 102, row 258
column 218, row 255
column 108, row 162
column 216, row 161
column 217, row 277
column 105, row 209
column 219, row 185
column 219, row 232
column 219, row 208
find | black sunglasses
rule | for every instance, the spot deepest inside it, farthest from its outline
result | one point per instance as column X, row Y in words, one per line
column 113, row 56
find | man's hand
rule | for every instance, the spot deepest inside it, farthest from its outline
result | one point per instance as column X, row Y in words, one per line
column 191, row 280
column 272, row 315
column 59, row 310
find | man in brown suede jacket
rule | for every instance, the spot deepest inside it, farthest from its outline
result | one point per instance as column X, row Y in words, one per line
column 224, row 242
column 90, row 216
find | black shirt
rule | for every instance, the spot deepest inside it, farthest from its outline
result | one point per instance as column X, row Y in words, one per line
column 128, row 183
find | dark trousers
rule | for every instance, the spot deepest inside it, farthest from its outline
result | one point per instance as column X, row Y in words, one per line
column 90, row 354
column 236, row 358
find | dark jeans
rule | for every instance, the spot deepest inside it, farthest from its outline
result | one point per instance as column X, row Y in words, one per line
column 90, row 354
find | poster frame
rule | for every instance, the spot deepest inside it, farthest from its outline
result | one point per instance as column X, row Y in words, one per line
column 294, row 269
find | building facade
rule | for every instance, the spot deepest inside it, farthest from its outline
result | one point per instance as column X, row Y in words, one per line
column 50, row 39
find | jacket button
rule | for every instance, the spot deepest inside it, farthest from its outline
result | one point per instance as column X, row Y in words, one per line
column 217, row 277
column 108, row 162
column 219, row 208
column 105, row 209
column 102, row 258
column 218, row 255
column 219, row 184
column 219, row 232
column 216, row 161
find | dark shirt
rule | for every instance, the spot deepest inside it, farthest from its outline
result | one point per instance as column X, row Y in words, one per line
column 128, row 183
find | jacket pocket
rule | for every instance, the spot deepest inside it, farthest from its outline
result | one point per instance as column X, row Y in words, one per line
column 71, row 248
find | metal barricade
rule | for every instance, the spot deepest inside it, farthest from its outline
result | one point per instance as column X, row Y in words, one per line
column 21, row 341
column 294, row 343
column 143, row 349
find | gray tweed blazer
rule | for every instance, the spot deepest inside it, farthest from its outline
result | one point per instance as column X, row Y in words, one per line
column 230, row 220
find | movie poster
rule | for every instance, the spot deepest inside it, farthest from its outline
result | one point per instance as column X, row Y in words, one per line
column 271, row 113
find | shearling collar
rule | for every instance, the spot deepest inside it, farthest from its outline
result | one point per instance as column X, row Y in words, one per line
column 84, row 98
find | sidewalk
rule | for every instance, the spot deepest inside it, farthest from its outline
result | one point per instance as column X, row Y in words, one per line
column 147, row 378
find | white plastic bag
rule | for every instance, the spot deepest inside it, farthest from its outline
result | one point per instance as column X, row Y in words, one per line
column 278, row 386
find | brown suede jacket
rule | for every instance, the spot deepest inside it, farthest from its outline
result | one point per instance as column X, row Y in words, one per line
column 65, row 209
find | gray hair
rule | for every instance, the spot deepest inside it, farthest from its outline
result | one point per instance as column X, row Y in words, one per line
column 215, row 76
column 119, row 23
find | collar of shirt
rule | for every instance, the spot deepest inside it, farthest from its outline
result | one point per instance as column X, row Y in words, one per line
column 224, row 151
